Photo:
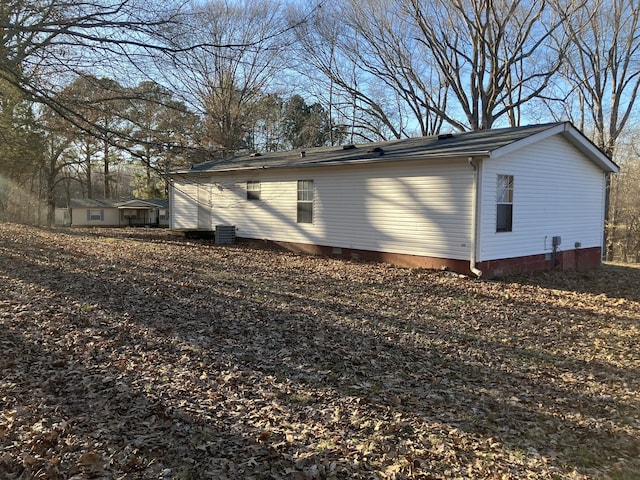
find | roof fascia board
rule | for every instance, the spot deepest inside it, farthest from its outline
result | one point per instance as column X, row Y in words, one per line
column 130, row 203
column 587, row 147
column 392, row 159
column 209, row 171
column 338, row 162
column 136, row 207
column 98, row 206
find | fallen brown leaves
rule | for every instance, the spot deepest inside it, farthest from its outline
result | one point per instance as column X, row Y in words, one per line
column 132, row 354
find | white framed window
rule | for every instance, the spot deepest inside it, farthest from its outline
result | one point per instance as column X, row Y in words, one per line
column 95, row 215
column 504, row 203
column 305, row 201
column 253, row 190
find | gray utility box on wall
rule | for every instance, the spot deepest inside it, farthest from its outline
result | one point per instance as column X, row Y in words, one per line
column 225, row 234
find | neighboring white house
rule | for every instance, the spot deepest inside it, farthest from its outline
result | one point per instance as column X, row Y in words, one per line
column 494, row 201
column 87, row 212
column 107, row 213
column 152, row 212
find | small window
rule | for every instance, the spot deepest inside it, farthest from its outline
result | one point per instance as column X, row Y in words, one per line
column 95, row 215
column 504, row 203
column 253, row 190
column 305, row 201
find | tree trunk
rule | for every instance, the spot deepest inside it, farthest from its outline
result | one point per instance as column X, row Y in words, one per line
column 107, row 190
column 89, row 179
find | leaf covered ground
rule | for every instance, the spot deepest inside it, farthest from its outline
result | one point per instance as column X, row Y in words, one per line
column 131, row 354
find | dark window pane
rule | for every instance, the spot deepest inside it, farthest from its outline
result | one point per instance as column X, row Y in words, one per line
column 505, row 217
column 253, row 190
column 305, row 212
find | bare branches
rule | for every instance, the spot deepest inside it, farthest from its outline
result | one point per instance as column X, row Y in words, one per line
column 239, row 56
column 344, row 51
column 491, row 54
column 463, row 64
column 602, row 67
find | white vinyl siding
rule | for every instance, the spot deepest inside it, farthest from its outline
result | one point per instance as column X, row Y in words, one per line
column 190, row 204
column 183, row 197
column 415, row 207
column 557, row 192
column 102, row 217
column 409, row 207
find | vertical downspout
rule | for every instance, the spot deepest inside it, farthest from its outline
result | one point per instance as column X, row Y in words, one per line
column 475, row 203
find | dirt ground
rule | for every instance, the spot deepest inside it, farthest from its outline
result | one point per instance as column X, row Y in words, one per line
column 131, row 354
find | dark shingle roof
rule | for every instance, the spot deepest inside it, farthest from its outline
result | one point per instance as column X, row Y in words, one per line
column 453, row 145
column 102, row 203
column 92, row 203
column 159, row 202
column 145, row 203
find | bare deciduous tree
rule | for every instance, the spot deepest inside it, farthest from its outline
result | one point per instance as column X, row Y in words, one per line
column 602, row 68
column 47, row 44
column 623, row 233
column 385, row 44
column 44, row 44
column 492, row 54
column 160, row 131
column 241, row 52
column 346, row 75
column 461, row 63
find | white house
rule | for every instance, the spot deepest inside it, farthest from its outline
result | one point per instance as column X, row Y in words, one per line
column 488, row 202
column 108, row 213
column 152, row 212
column 86, row 212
